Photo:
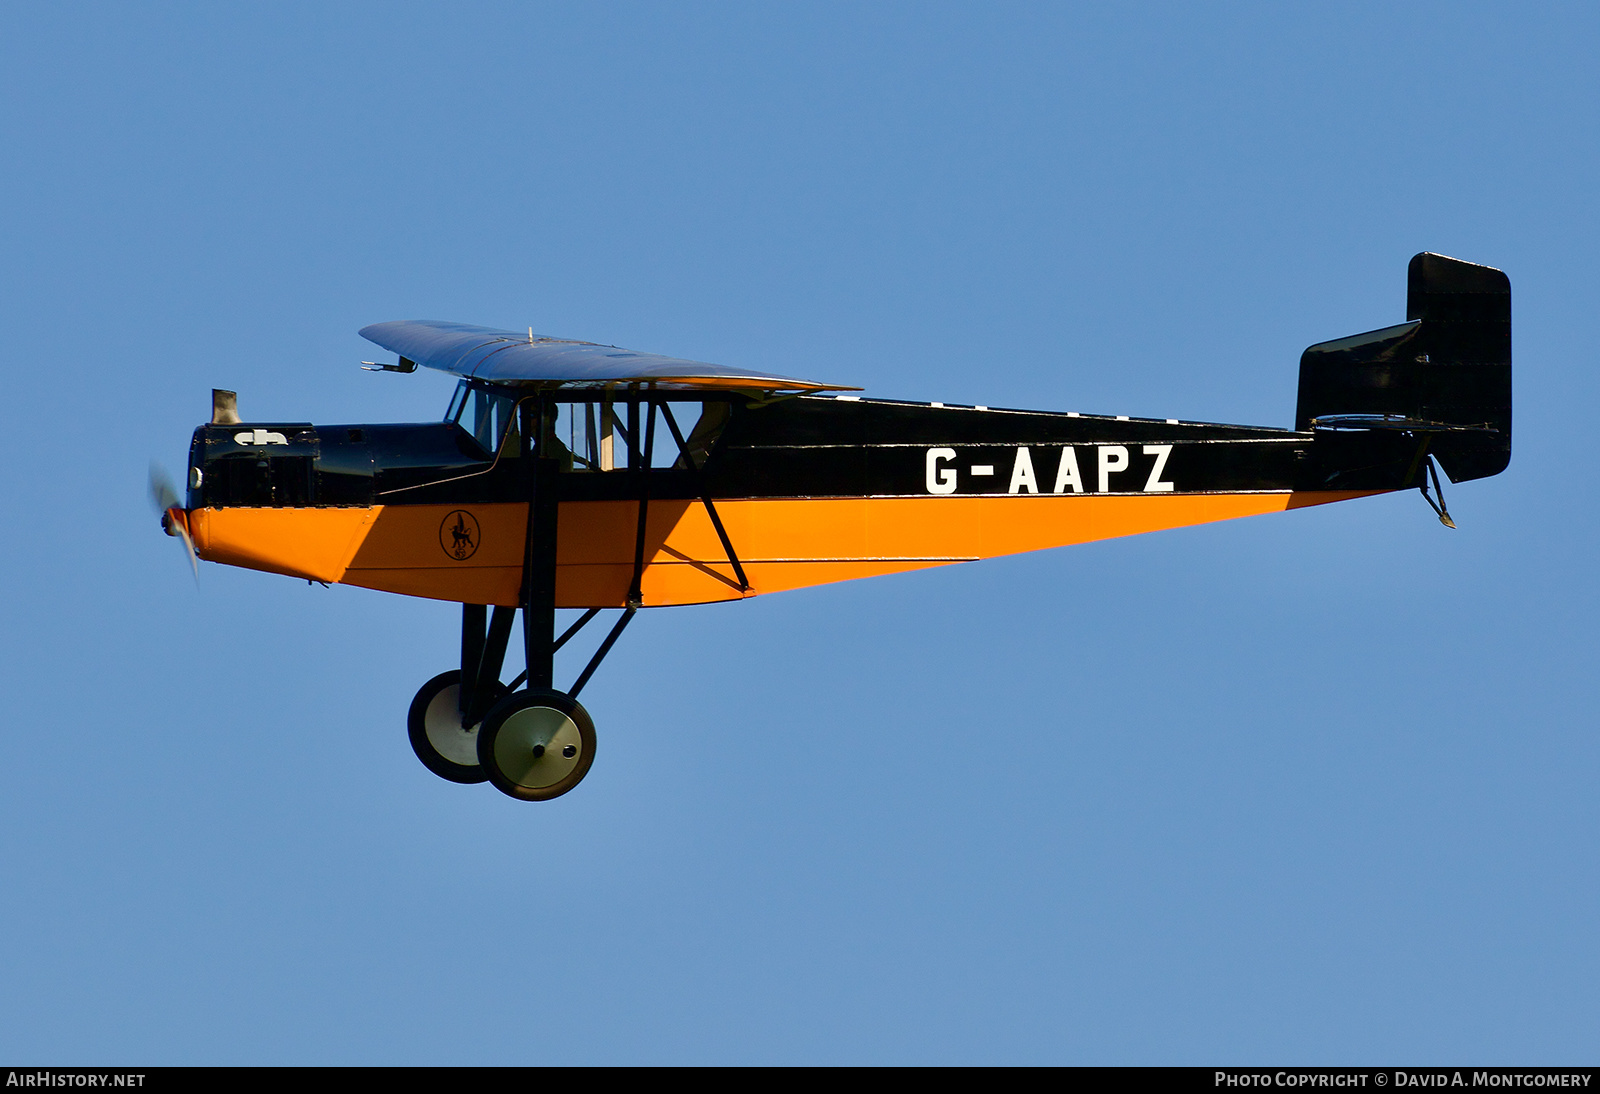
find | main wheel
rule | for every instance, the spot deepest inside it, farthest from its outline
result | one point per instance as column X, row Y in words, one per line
column 441, row 742
column 536, row 744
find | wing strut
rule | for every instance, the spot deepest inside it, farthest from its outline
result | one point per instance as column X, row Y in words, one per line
column 705, row 497
column 538, row 600
column 639, row 462
column 539, row 561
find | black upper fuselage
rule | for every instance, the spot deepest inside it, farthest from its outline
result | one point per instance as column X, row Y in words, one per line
column 809, row 446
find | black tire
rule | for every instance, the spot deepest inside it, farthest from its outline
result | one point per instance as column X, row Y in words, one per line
column 536, row 744
column 437, row 737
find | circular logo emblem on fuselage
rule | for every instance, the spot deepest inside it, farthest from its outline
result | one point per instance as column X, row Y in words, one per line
column 459, row 535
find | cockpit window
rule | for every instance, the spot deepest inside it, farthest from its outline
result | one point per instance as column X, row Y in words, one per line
column 457, row 400
column 596, row 433
column 593, row 435
column 487, row 414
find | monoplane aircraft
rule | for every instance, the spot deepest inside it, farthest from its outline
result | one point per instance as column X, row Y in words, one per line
column 568, row 474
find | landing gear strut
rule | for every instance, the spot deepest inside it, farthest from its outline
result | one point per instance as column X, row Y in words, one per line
column 537, row 743
column 534, row 744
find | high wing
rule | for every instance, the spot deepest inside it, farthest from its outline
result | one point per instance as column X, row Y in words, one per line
column 484, row 353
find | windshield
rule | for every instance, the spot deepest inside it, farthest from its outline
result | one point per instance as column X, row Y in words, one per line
column 485, row 413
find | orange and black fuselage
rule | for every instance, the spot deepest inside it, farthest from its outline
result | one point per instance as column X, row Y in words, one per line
column 808, row 490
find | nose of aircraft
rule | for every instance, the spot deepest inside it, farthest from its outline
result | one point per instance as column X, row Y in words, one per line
column 174, row 518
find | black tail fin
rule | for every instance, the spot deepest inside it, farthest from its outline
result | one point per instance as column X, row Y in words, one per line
column 1446, row 372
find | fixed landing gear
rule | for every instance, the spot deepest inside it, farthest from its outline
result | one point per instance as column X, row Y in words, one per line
column 533, row 745
column 445, row 746
column 536, row 744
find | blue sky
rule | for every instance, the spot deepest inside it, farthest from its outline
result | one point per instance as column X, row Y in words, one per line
column 1313, row 788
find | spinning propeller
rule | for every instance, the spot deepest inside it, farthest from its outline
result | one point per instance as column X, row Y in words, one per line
column 174, row 521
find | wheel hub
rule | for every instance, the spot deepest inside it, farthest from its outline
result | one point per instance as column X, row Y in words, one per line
column 537, row 747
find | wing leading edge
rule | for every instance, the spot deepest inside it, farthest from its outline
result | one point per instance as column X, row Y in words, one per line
column 484, row 353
